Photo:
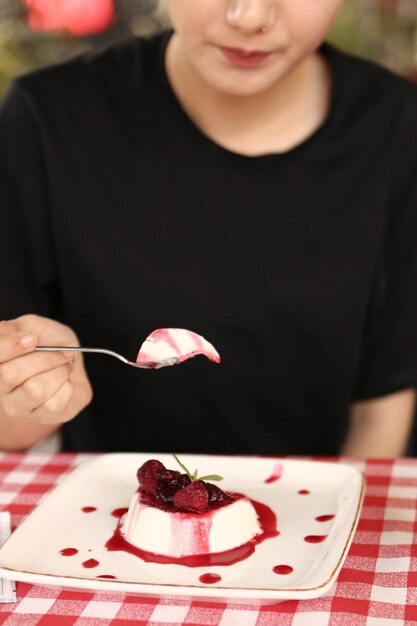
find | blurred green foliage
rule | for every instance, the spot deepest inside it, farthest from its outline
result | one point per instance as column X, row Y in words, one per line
column 382, row 30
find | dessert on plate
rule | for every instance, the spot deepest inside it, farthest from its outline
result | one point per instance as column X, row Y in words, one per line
column 179, row 514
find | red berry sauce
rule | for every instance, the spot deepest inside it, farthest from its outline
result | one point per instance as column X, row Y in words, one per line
column 108, row 576
column 276, row 473
column 88, row 509
column 282, row 569
column 303, row 492
column 315, row 538
column 119, row 512
column 324, row 518
column 90, row 563
column 209, row 579
column 68, row 551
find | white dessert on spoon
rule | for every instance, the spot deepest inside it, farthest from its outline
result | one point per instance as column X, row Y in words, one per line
column 168, row 346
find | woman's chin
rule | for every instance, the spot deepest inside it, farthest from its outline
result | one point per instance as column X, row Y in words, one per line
column 244, row 83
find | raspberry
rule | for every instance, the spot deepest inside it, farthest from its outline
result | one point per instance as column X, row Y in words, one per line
column 192, row 498
column 149, row 474
column 216, row 494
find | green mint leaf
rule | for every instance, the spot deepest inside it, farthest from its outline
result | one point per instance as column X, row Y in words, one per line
column 211, row 477
column 183, row 467
column 194, row 478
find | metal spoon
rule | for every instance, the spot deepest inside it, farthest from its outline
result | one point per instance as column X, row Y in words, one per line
column 149, row 365
column 164, row 346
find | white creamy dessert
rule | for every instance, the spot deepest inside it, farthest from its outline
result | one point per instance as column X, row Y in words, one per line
column 168, row 346
column 178, row 534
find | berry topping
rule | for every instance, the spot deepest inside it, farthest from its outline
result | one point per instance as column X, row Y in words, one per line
column 169, row 489
column 148, row 475
column 168, row 485
column 215, row 494
column 192, row 498
column 165, row 491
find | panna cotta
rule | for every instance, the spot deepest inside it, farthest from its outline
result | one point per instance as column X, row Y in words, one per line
column 172, row 515
column 178, row 534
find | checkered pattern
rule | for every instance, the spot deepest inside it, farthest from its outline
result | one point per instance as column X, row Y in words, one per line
column 376, row 587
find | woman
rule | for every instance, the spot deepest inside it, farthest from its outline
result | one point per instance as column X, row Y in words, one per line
column 236, row 177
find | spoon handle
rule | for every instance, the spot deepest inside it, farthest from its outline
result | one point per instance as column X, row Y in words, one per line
column 81, row 349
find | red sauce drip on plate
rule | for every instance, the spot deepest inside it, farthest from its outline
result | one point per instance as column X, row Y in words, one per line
column 324, row 518
column 283, row 569
column 88, row 509
column 209, row 579
column 268, row 524
column 68, row 551
column 119, row 512
column 315, row 538
column 90, row 563
column 303, row 492
column 109, row 576
column 276, row 473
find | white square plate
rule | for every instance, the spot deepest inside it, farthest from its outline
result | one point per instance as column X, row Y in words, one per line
column 33, row 552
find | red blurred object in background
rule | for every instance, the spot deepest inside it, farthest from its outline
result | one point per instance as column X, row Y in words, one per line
column 79, row 17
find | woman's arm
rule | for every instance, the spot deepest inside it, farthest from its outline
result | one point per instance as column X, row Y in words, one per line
column 379, row 428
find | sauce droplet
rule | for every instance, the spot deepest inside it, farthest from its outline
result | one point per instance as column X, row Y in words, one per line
column 276, row 473
column 90, row 563
column 209, row 579
column 88, row 509
column 324, row 518
column 107, row 576
column 282, row 569
column 303, row 492
column 68, row 551
column 315, row 538
column 119, row 512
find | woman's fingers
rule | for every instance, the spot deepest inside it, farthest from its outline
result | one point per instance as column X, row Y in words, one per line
column 55, row 409
column 15, row 344
column 15, row 372
column 35, row 392
column 8, row 326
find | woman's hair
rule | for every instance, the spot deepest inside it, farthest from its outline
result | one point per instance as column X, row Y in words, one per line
column 161, row 10
column 161, row 13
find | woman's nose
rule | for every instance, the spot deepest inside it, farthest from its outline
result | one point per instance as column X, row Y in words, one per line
column 251, row 16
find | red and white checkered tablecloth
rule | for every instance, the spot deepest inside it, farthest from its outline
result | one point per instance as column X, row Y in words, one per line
column 376, row 587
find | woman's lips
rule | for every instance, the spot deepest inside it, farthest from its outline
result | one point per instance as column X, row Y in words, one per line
column 245, row 58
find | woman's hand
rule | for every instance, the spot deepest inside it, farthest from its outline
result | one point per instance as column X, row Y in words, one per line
column 38, row 390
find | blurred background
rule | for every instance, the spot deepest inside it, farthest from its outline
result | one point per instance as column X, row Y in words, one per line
column 39, row 32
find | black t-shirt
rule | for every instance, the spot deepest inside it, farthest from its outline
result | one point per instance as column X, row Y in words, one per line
column 118, row 216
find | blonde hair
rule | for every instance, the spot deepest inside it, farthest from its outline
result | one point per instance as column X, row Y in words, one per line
column 161, row 12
